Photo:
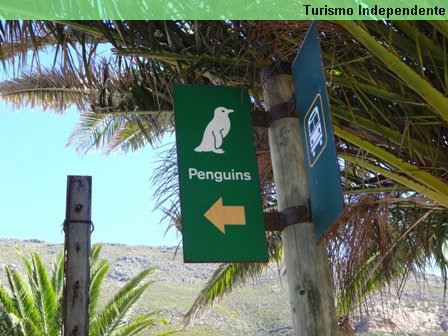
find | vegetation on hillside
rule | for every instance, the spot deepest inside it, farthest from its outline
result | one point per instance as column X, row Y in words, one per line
column 32, row 305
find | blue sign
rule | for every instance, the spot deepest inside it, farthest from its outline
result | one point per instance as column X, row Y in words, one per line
column 324, row 183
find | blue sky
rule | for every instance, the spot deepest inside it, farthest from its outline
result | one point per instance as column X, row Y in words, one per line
column 34, row 164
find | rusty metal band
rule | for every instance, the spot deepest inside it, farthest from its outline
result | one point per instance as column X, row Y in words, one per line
column 265, row 119
column 66, row 222
column 278, row 221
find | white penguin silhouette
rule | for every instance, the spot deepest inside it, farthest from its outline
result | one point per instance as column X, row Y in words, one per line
column 215, row 131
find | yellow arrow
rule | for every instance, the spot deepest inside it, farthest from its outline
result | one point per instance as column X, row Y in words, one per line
column 221, row 215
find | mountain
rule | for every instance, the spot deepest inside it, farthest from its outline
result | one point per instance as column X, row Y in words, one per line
column 259, row 308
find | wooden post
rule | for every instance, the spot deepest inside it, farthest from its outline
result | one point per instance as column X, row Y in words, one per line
column 307, row 269
column 77, row 227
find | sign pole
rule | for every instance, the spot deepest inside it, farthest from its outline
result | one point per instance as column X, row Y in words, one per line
column 77, row 227
column 307, row 269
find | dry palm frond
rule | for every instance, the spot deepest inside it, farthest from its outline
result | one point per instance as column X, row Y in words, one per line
column 166, row 187
column 50, row 89
column 135, row 104
column 379, row 239
column 345, row 328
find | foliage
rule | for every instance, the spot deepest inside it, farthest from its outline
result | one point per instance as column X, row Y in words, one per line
column 32, row 306
column 381, row 239
column 388, row 87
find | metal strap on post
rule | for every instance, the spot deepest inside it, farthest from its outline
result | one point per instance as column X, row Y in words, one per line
column 278, row 221
column 66, row 222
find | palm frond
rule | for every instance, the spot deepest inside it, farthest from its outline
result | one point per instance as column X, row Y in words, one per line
column 140, row 130
column 441, row 26
column 45, row 297
column 98, row 274
column 433, row 183
column 7, row 325
column 428, row 150
column 57, row 274
column 7, row 304
column 34, row 308
column 50, row 89
column 23, row 298
column 28, row 327
column 95, row 255
column 418, row 83
column 390, row 174
column 223, row 280
column 93, row 130
column 391, row 236
column 116, row 309
column 166, row 187
column 141, row 323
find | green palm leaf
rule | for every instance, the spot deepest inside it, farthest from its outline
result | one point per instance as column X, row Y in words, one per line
column 95, row 255
column 36, row 289
column 435, row 184
column 223, row 280
column 23, row 298
column 427, row 150
column 116, row 309
column 45, row 298
column 418, row 83
column 57, row 274
column 139, row 324
column 7, row 312
column 28, row 328
column 98, row 274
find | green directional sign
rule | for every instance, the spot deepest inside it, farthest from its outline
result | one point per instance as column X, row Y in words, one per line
column 312, row 105
column 222, row 219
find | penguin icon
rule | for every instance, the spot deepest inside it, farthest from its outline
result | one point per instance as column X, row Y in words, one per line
column 215, row 132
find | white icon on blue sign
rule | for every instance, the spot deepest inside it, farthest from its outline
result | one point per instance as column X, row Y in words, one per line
column 315, row 132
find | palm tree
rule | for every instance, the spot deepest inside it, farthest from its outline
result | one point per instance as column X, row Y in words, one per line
column 32, row 306
column 387, row 83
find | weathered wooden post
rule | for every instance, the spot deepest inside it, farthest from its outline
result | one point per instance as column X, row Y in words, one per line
column 307, row 267
column 77, row 227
